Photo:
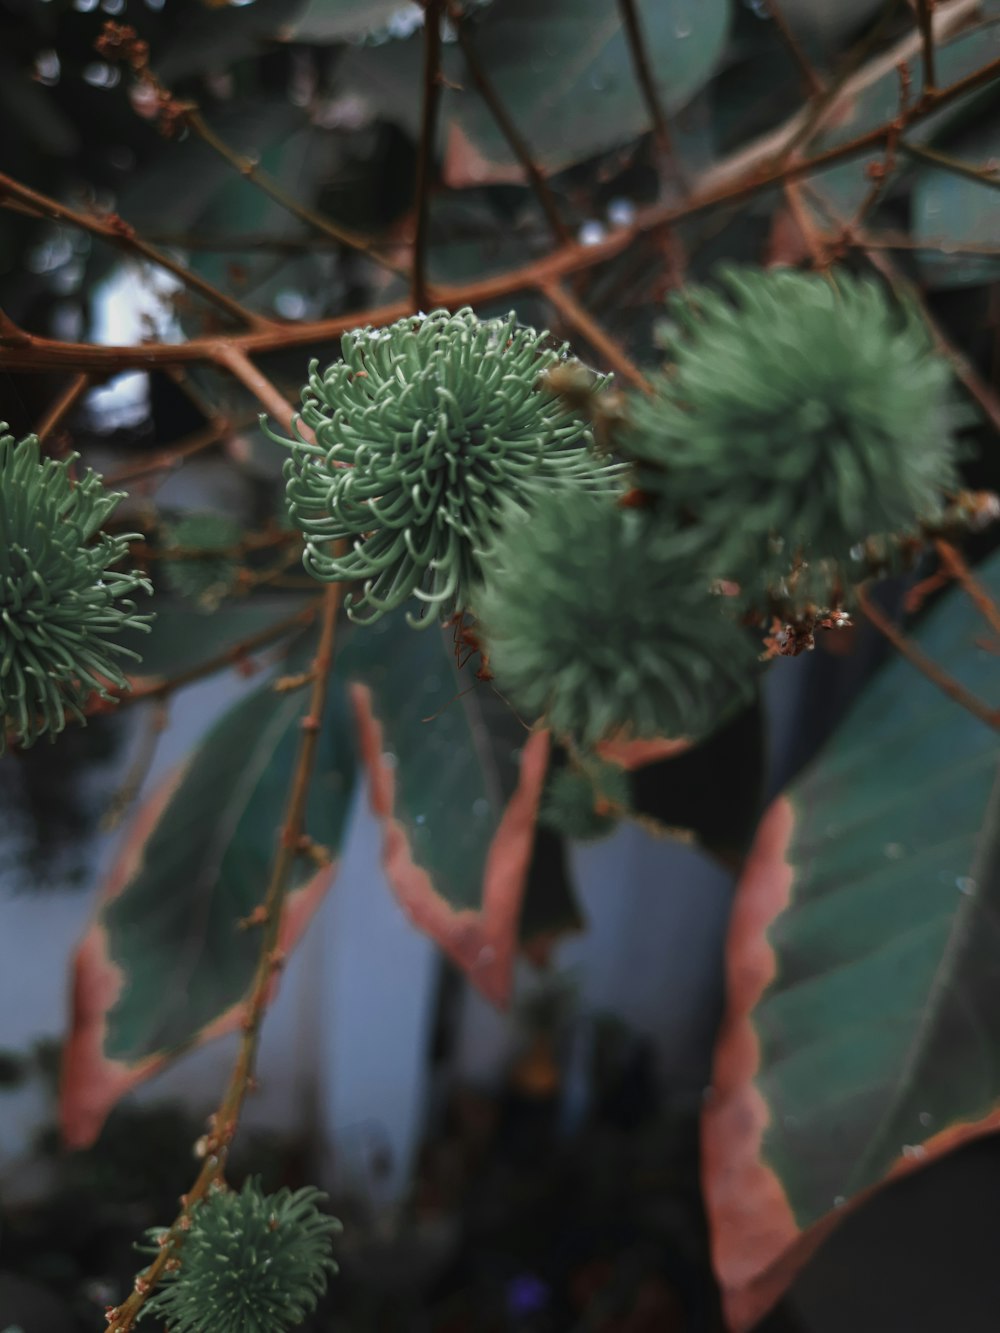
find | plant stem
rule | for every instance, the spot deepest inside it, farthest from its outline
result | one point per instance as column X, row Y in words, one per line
column 925, row 665
column 226, row 1119
column 433, row 12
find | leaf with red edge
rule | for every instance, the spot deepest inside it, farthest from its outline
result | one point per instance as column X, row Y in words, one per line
column 862, row 1032
column 165, row 966
column 456, row 780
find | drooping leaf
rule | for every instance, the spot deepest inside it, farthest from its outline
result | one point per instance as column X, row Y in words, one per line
column 952, row 212
column 165, row 965
column 564, row 73
column 456, row 781
column 862, row 1035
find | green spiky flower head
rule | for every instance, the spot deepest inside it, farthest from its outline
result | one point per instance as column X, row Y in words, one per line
column 204, row 578
column 801, row 415
column 604, row 627
column 61, row 600
column 251, row 1263
column 421, row 432
column 585, row 802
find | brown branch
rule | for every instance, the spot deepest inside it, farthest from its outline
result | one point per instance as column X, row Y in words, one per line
column 226, row 1118
column 925, row 24
column 758, row 174
column 63, row 405
column 433, row 12
column 954, row 562
column 249, row 170
column 271, row 398
column 585, row 324
column 508, row 129
column 647, row 84
column 814, row 84
column 118, row 233
column 925, row 665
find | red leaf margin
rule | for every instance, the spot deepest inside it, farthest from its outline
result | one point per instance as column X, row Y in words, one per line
column 91, row 1083
column 482, row 942
column 757, row 1246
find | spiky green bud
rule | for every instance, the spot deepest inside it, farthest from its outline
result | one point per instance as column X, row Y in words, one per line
column 585, row 803
column 801, row 415
column 251, row 1263
column 206, row 578
column 598, row 623
column 61, row 602
column 421, row 432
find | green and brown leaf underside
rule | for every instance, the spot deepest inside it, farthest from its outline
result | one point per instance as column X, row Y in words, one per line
column 862, row 1036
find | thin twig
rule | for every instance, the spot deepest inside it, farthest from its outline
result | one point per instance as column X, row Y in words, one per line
column 647, row 84
column 813, row 82
column 250, row 171
column 62, row 406
column 954, row 562
column 926, row 666
column 984, row 395
column 925, row 23
column 117, row 232
column 235, row 652
column 226, row 1118
column 173, row 455
column 585, row 324
column 984, row 175
column 507, row 128
column 433, row 12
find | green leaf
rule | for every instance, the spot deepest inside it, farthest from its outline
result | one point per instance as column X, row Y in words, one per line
column 456, row 779
column 213, row 38
column 564, row 73
column 862, row 1036
column 165, row 965
column 176, row 188
column 182, row 637
column 951, row 212
column 339, row 20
